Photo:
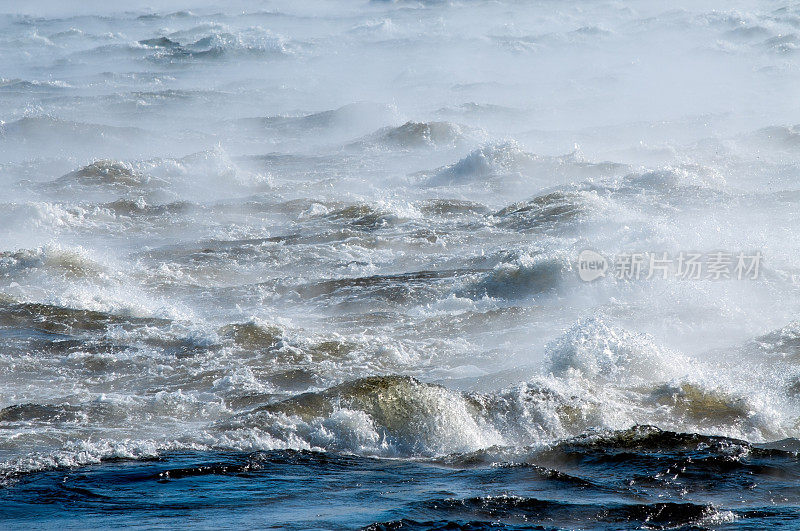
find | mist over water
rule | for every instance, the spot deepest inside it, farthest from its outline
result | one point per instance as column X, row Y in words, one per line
column 275, row 236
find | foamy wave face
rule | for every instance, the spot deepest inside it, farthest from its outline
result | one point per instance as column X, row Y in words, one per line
column 596, row 378
column 594, row 350
column 492, row 161
column 415, row 135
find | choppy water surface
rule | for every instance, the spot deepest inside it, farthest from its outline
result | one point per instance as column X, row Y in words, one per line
column 313, row 264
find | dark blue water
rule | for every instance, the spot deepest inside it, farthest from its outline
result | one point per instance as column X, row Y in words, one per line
column 638, row 479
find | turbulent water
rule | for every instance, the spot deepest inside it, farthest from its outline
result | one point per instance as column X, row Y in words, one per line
column 316, row 264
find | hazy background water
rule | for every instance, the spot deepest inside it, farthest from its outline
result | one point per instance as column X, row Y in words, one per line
column 334, row 242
